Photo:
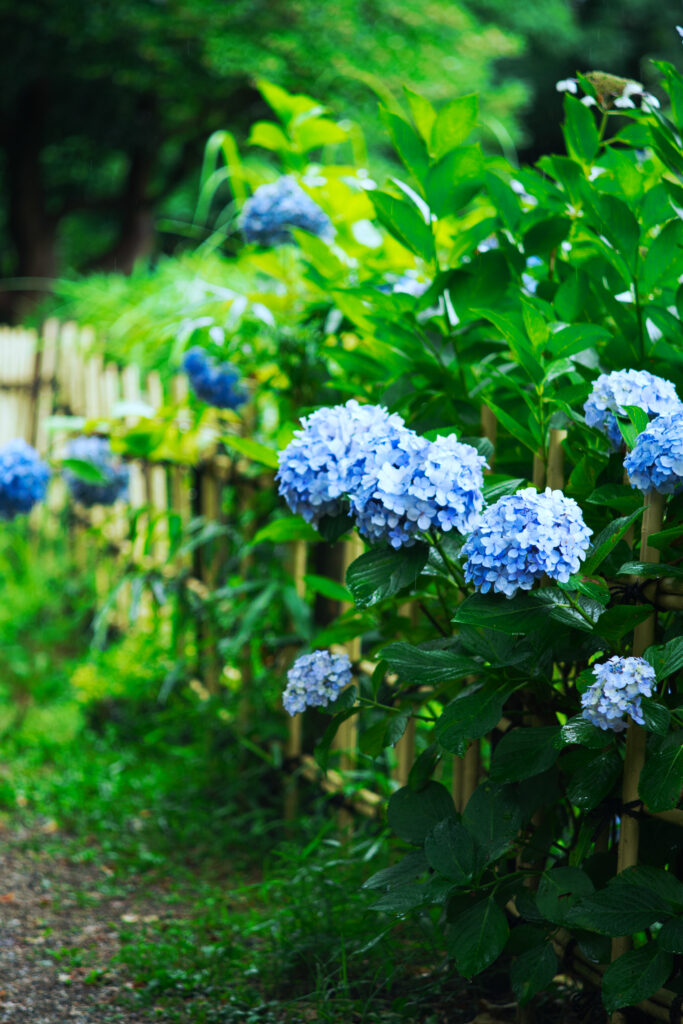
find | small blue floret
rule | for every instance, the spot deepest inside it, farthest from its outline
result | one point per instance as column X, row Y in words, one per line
column 275, row 208
column 615, row 696
column 215, row 383
column 612, row 392
column 656, row 462
column 23, row 478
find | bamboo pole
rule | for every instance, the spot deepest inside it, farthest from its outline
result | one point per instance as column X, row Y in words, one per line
column 643, row 637
column 293, row 746
column 555, row 467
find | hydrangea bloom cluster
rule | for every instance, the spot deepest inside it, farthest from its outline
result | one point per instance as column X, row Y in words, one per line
column 316, row 679
column 411, row 484
column 397, row 482
column 97, row 451
column 215, row 383
column 656, row 462
column 612, row 392
column 615, row 695
column 23, row 478
column 523, row 537
column 273, row 209
column 326, row 458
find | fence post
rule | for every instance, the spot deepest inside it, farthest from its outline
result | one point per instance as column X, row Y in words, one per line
column 293, row 747
column 643, row 637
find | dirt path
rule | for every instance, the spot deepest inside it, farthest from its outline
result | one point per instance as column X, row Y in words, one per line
column 58, row 935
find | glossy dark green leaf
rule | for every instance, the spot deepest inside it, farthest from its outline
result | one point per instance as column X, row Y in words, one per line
column 471, row 715
column 493, row 818
column 621, row 619
column 383, row 572
column 516, row 615
column 428, row 667
column 670, row 937
column 579, row 730
column 661, row 780
column 606, row 541
column 595, row 780
column 635, row 976
column 449, row 849
column 631, row 902
column 412, row 814
column 657, row 717
column 559, row 890
column 666, row 658
column 524, row 752
column 477, row 937
column 533, row 971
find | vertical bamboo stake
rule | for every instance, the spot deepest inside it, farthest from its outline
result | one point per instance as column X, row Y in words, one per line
column 405, row 753
column 555, row 468
column 46, row 384
column 347, row 737
column 636, row 736
column 295, row 723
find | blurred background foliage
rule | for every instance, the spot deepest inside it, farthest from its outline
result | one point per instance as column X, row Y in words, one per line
column 105, row 108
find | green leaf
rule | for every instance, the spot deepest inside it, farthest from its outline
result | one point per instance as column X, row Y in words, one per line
column 331, row 528
column 454, row 180
column 493, row 818
column 533, row 971
column 408, row 144
column 407, row 869
column 657, row 717
column 450, row 851
column 412, row 814
column 268, row 135
column 496, row 487
column 428, row 667
column 670, row 937
column 453, row 124
column 381, row 573
column 404, row 222
column 666, row 659
column 635, row 976
column 580, row 730
column 592, row 782
column 650, row 570
column 580, row 131
column 477, row 937
column 85, row 471
column 512, row 426
column 322, row 749
column 631, row 902
column 559, row 890
column 661, row 779
column 423, row 113
column 524, row 752
column 252, row 450
column 328, row 588
column 607, row 540
column 289, row 528
column 471, row 715
column 515, row 615
column 664, row 260
column 621, row 619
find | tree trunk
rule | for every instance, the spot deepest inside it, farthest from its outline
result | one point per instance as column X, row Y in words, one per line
column 136, row 235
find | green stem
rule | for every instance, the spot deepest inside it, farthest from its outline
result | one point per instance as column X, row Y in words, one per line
column 577, row 607
column 450, row 565
column 368, row 702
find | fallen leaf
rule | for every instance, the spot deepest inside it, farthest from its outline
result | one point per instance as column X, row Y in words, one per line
column 7, row 897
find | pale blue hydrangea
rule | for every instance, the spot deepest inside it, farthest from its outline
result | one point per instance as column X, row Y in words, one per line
column 215, row 383
column 615, row 696
column 275, row 208
column 314, row 680
column 612, row 392
column 96, row 451
column 23, row 478
column 412, row 485
column 523, row 537
column 326, row 459
column 656, row 462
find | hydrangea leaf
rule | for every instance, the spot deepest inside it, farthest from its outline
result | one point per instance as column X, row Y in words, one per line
column 493, row 818
column 594, row 780
column 532, row 971
column 477, row 937
column 559, row 890
column 522, row 753
column 471, row 715
column 635, row 976
column 411, row 814
column 382, row 573
column 661, row 779
column 428, row 667
column 449, row 849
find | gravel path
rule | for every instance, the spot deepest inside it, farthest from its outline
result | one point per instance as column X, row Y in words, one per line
column 58, row 935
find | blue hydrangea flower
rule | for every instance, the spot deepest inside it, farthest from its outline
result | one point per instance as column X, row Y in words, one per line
column 615, row 695
column 273, row 209
column 523, row 537
column 215, row 383
column 326, row 459
column 403, row 284
column 613, row 391
column 97, row 451
column 23, row 478
column 316, row 679
column 656, row 461
column 411, row 484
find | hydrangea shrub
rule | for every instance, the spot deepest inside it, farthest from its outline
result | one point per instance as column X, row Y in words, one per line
column 24, row 477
